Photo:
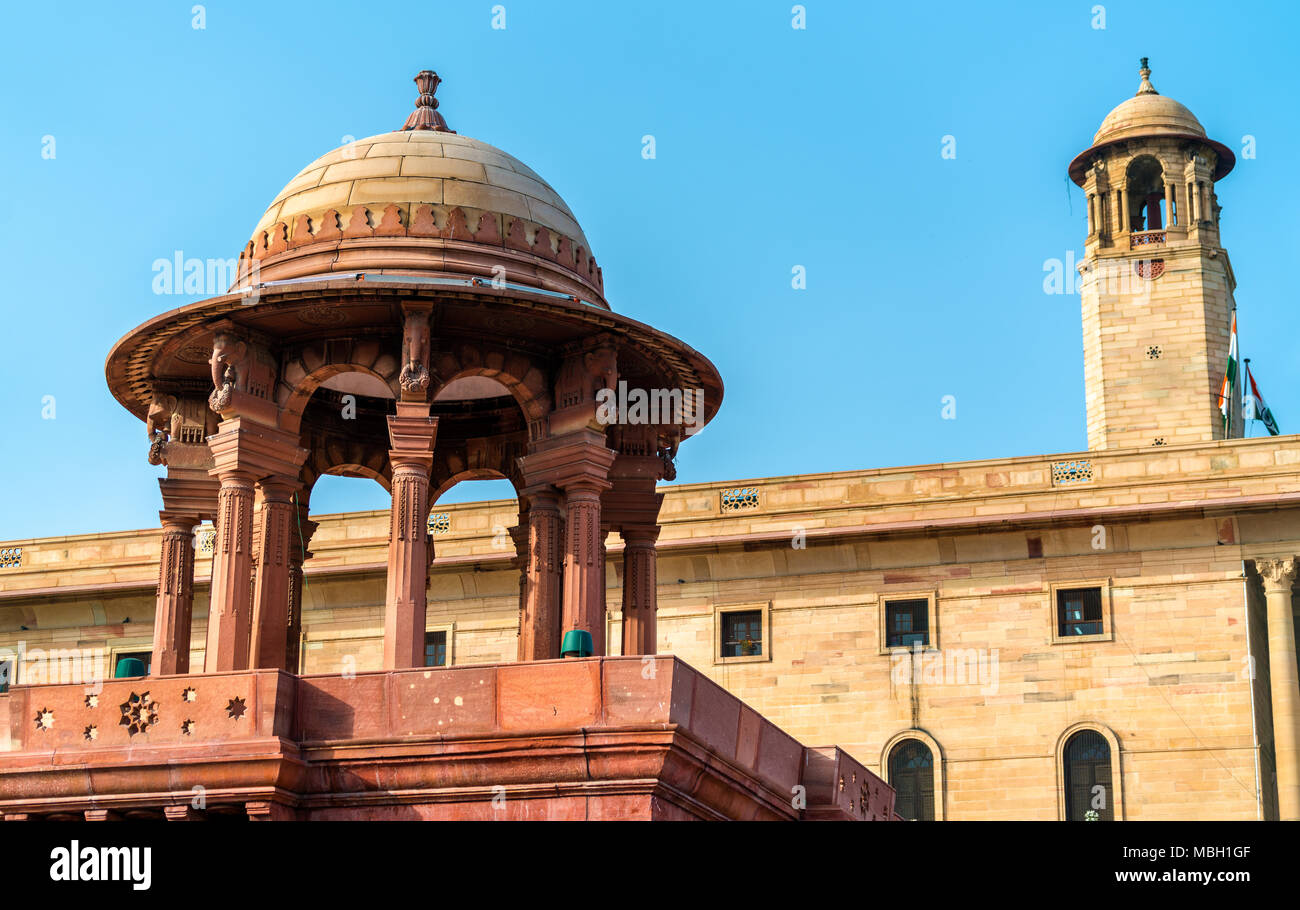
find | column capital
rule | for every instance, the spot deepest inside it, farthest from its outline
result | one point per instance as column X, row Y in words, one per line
column 278, row 488
column 643, row 535
column 412, row 433
column 182, row 523
column 519, row 536
column 576, row 461
column 255, row 450
column 1278, row 573
column 188, row 491
column 543, row 497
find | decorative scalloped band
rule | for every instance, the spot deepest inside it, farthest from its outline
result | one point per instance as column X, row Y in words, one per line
column 429, row 221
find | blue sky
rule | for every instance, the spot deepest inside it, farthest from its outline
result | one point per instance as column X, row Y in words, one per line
column 775, row 147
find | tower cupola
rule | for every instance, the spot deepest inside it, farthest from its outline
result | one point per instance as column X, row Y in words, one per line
column 1156, row 284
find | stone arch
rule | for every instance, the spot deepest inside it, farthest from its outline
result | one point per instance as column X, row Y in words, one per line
column 347, row 458
column 1117, row 779
column 441, row 484
column 523, row 377
column 936, row 757
column 496, row 459
column 306, row 367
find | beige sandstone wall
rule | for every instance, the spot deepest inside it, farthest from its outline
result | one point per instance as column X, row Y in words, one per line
column 1172, row 683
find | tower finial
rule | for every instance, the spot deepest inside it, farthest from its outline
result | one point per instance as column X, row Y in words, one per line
column 1146, row 88
column 426, row 116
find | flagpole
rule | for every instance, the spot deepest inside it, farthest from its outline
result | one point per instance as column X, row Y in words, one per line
column 1231, row 386
column 1245, row 384
column 1236, row 378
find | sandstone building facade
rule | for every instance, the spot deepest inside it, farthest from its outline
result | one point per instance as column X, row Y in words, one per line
column 1099, row 634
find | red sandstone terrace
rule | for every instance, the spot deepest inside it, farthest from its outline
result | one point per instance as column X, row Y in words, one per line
column 596, row 738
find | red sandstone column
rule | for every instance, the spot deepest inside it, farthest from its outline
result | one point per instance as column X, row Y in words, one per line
column 1279, row 576
column 299, row 539
column 412, row 433
column 519, row 536
column 270, row 624
column 175, row 604
column 640, row 589
column 539, row 637
column 230, row 601
column 604, row 572
column 584, row 584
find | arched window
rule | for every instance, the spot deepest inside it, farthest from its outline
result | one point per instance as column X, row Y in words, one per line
column 1088, row 782
column 1146, row 194
column 911, row 774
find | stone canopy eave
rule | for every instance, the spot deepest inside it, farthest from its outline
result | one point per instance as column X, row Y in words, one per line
column 1226, row 160
column 128, row 366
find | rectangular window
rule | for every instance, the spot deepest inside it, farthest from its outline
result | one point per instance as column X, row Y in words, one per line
column 907, row 623
column 145, row 657
column 435, row 649
column 742, row 633
column 1078, row 612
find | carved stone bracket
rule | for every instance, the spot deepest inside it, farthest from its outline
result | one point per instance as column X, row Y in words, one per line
column 414, row 378
column 243, row 377
column 587, row 368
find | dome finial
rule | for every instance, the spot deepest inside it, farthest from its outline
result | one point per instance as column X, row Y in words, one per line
column 426, row 116
column 1146, row 88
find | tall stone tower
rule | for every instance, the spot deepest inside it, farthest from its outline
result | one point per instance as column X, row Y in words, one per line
column 1155, row 283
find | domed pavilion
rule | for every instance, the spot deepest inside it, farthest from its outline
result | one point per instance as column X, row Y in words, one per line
column 418, row 308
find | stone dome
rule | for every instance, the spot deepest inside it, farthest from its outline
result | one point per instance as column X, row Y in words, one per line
column 409, row 168
column 422, row 199
column 1148, row 113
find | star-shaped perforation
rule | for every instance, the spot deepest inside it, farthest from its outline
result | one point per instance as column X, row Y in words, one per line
column 139, row 713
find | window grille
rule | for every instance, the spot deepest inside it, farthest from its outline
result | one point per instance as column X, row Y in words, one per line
column 740, row 498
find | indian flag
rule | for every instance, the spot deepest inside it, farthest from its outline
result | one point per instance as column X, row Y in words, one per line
column 1229, row 378
column 1253, row 407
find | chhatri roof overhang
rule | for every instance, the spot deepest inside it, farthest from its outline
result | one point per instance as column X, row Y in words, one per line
column 177, row 344
column 1148, row 114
